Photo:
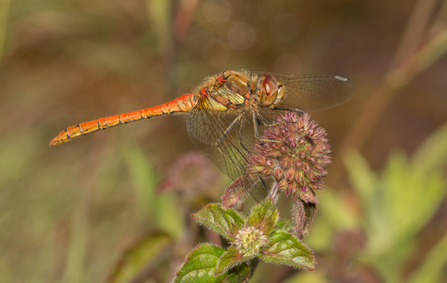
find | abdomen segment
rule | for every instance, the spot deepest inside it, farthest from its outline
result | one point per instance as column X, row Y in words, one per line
column 177, row 106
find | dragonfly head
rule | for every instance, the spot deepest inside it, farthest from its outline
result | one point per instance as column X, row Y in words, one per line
column 272, row 91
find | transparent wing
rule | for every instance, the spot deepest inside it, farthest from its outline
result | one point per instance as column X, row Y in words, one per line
column 227, row 138
column 314, row 92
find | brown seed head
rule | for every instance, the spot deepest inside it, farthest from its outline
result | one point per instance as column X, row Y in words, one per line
column 297, row 158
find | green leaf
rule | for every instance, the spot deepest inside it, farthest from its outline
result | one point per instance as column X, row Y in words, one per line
column 364, row 180
column 162, row 209
column 408, row 193
column 318, row 276
column 337, row 212
column 404, row 202
column 432, row 154
column 160, row 17
column 145, row 253
column 322, row 233
column 142, row 176
column 229, row 259
column 285, row 225
column 264, row 217
column 224, row 221
column 433, row 266
column 396, row 205
column 241, row 274
column 200, row 265
column 288, row 250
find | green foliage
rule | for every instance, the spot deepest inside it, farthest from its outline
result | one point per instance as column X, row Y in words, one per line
column 241, row 274
column 225, row 222
column 4, row 9
column 433, row 266
column 65, row 212
column 288, row 250
column 201, row 263
column 284, row 225
column 264, row 217
column 432, row 154
column 308, row 277
column 145, row 253
column 259, row 236
column 396, row 205
column 142, row 176
column 230, row 258
column 162, row 209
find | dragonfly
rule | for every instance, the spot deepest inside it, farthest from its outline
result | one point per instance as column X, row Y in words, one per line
column 228, row 112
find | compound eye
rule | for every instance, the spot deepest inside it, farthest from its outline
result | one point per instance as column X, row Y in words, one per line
column 269, row 85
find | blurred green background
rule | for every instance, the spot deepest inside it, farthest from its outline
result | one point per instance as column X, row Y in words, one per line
column 67, row 213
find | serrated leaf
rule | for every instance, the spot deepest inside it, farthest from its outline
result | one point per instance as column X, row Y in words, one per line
column 285, row 225
column 224, row 221
column 288, row 250
column 229, row 259
column 200, row 265
column 141, row 255
column 241, row 274
column 264, row 217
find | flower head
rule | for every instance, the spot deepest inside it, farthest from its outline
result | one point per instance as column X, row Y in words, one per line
column 294, row 153
column 250, row 241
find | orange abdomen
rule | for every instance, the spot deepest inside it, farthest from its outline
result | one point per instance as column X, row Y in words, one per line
column 180, row 105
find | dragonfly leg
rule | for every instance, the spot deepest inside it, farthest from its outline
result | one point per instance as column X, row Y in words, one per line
column 272, row 123
column 266, row 124
column 241, row 132
column 269, row 123
column 296, row 109
column 250, row 179
column 227, row 131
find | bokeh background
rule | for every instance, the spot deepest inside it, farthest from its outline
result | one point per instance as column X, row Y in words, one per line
column 67, row 213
